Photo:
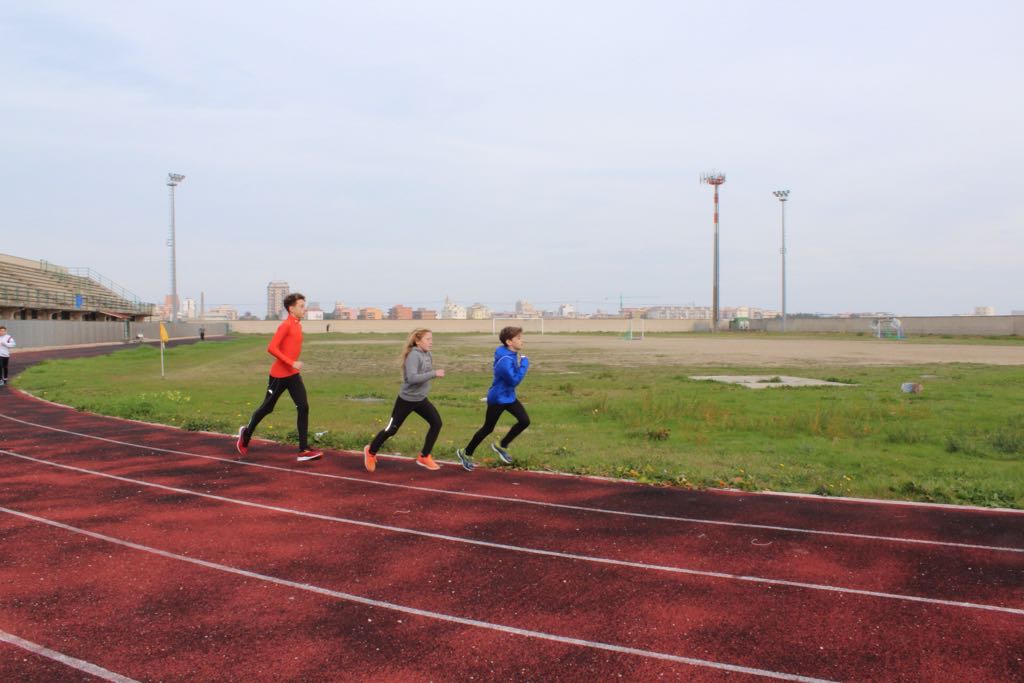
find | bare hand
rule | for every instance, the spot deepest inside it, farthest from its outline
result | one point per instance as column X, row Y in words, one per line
column 439, row 373
column 297, row 365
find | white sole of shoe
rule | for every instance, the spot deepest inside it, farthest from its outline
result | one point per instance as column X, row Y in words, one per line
column 506, row 458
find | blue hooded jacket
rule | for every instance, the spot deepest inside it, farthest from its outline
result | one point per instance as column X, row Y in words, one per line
column 509, row 371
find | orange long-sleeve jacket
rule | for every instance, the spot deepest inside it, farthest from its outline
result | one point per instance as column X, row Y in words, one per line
column 286, row 346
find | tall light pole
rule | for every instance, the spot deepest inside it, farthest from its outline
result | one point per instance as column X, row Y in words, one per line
column 783, row 197
column 714, row 178
column 173, row 180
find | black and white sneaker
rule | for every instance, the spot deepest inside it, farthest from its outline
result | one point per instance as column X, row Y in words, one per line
column 466, row 460
column 505, row 456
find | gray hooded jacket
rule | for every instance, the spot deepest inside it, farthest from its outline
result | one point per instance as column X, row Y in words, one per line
column 417, row 373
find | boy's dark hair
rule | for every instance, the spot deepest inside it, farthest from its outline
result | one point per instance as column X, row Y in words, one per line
column 292, row 299
column 509, row 332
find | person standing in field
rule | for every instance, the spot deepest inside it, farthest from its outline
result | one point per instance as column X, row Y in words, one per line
column 285, row 347
column 417, row 371
column 509, row 370
column 6, row 344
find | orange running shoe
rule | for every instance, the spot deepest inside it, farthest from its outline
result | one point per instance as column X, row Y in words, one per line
column 369, row 459
column 428, row 462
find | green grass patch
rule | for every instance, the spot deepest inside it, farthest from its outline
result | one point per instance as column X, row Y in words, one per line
column 960, row 441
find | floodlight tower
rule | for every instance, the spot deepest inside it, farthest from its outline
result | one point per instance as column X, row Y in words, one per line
column 783, row 197
column 714, row 178
column 173, row 180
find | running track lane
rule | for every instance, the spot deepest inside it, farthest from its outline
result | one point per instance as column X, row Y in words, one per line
column 988, row 575
column 185, row 628
column 155, row 617
column 845, row 637
column 24, row 661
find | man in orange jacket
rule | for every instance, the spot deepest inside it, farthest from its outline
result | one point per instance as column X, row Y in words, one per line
column 286, row 346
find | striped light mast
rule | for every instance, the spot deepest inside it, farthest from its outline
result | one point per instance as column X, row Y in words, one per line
column 714, row 178
column 173, row 180
column 783, row 197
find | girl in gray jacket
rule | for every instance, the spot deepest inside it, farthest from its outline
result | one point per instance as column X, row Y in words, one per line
column 418, row 370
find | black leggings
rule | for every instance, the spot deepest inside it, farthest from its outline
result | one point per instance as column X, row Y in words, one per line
column 275, row 387
column 4, row 361
column 424, row 409
column 494, row 411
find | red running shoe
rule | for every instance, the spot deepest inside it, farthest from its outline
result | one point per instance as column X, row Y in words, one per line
column 309, row 455
column 241, row 444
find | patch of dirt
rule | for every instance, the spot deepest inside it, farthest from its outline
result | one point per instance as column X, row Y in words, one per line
column 767, row 381
column 726, row 350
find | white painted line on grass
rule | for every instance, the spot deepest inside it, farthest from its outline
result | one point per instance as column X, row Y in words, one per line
column 539, row 503
column 421, row 612
column 530, row 551
column 64, row 659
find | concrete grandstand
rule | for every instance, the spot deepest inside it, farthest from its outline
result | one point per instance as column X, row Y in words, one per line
column 39, row 290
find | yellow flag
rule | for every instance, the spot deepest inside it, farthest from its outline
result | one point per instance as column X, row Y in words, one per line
column 163, row 334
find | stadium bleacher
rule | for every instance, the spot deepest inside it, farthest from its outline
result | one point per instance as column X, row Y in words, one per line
column 39, row 290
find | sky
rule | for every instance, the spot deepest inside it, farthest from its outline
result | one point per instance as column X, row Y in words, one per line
column 401, row 152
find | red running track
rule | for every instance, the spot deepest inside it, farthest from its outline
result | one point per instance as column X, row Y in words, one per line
column 138, row 552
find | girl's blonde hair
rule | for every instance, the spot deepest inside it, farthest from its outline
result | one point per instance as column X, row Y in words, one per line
column 414, row 337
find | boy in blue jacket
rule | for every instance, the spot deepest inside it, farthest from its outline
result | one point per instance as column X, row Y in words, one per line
column 509, row 371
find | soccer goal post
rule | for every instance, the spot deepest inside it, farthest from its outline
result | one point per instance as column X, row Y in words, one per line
column 528, row 324
column 634, row 329
column 887, row 328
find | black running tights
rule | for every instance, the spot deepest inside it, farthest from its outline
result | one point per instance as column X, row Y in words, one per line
column 275, row 387
column 424, row 409
column 494, row 411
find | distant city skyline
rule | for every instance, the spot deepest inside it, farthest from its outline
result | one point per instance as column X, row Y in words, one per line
column 327, row 304
column 283, row 287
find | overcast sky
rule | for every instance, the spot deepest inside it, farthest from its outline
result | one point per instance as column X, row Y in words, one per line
column 398, row 152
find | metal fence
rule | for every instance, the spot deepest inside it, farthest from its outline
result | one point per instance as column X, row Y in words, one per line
column 107, row 283
column 31, row 334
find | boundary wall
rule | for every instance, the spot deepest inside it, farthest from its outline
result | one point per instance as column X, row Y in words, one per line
column 973, row 325
column 33, row 334
column 551, row 325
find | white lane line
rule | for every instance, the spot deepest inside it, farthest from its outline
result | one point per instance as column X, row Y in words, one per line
column 64, row 659
column 539, row 503
column 532, row 551
column 420, row 612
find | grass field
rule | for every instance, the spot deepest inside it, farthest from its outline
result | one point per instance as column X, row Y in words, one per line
column 604, row 406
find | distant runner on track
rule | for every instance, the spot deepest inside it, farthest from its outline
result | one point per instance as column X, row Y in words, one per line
column 6, row 344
